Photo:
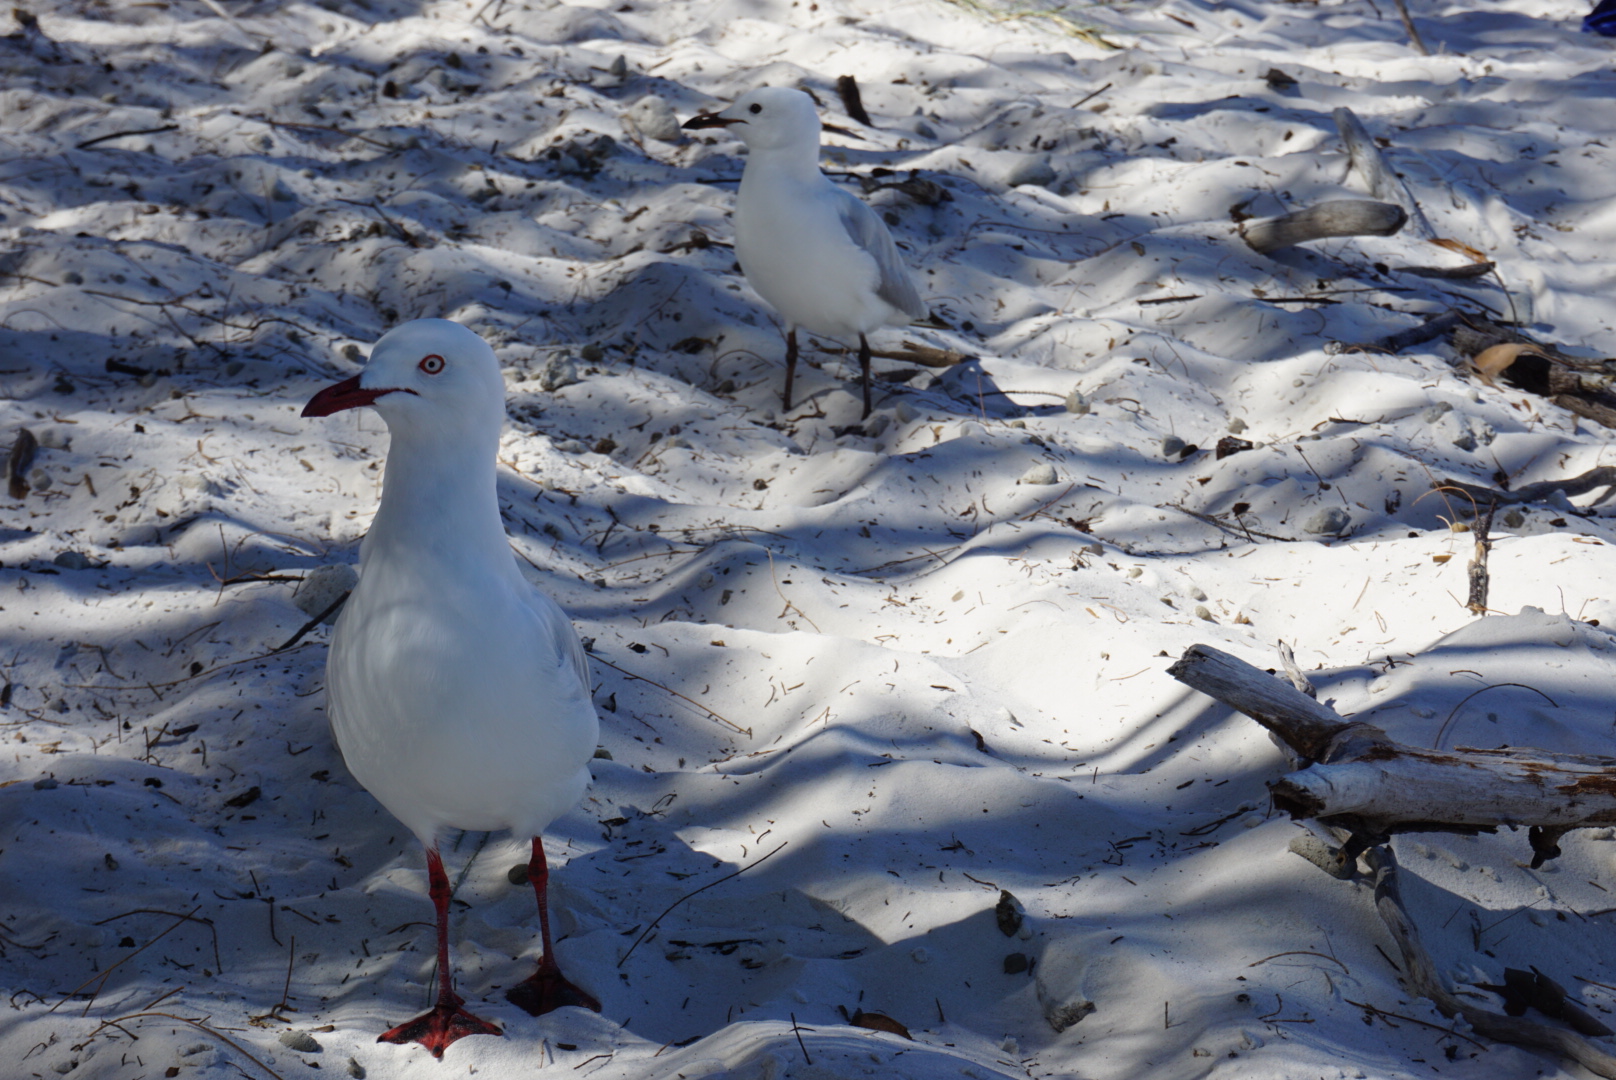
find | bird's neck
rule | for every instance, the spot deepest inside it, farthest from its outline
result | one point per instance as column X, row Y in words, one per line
column 440, row 504
column 791, row 163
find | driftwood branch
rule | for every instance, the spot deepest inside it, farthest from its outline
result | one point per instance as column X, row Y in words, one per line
column 1372, row 168
column 1366, row 786
column 1363, row 781
column 1342, row 217
column 1601, row 476
column 1423, row 979
column 1433, row 327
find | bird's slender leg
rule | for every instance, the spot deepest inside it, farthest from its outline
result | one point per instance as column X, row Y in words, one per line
column 864, row 366
column 546, row 989
column 447, row 1020
column 791, row 365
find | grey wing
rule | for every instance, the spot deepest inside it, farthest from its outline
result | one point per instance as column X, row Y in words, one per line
column 563, row 636
column 579, row 659
column 869, row 232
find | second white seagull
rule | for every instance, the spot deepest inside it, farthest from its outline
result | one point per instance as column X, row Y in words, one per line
column 814, row 251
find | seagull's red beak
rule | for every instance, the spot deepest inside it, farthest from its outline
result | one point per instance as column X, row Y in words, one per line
column 347, row 394
column 708, row 120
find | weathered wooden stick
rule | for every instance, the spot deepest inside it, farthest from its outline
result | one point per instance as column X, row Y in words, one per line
column 1601, row 476
column 1421, row 975
column 18, row 461
column 1413, row 34
column 1342, row 217
column 924, row 355
column 1374, row 786
column 848, row 89
column 1434, row 327
column 1462, row 272
column 1479, row 579
column 1376, row 174
column 1305, row 725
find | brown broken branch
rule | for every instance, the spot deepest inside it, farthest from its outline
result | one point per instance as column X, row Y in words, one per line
column 1479, row 579
column 925, row 355
column 1579, row 384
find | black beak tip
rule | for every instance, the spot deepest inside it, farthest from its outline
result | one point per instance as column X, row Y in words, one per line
column 706, row 120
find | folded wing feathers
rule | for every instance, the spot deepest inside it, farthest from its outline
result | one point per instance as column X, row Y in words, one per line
column 869, row 232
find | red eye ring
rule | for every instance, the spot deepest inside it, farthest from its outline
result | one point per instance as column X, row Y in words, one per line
column 431, row 364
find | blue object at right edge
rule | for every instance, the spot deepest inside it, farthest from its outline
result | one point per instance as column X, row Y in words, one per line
column 1602, row 19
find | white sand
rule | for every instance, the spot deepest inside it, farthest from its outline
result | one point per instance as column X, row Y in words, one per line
column 858, row 604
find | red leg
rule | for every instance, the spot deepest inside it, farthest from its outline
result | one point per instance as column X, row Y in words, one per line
column 791, row 372
column 446, row 1021
column 864, row 366
column 547, row 989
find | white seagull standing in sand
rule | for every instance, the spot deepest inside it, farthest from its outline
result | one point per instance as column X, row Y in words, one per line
column 458, row 694
column 815, row 252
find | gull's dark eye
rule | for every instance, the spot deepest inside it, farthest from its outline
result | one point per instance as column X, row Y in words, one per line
column 431, row 364
column 755, row 108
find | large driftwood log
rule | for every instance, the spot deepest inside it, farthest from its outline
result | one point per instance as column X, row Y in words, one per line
column 1365, row 782
column 1364, row 786
column 1342, row 217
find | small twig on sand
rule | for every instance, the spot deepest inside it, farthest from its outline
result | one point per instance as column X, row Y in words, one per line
column 312, row 623
column 282, row 1005
column 118, row 1022
column 1408, row 24
column 87, row 143
column 102, row 976
column 218, row 964
column 732, row 725
column 403, row 233
column 644, row 933
column 800, row 1045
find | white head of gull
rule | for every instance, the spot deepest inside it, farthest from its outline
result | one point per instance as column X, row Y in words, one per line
column 814, row 251
column 458, row 694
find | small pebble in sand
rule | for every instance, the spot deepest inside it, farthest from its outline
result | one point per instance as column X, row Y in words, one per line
column 72, row 560
column 1172, row 446
column 1041, row 473
column 558, row 372
column 655, row 118
column 301, row 1041
column 1327, row 521
column 321, row 587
